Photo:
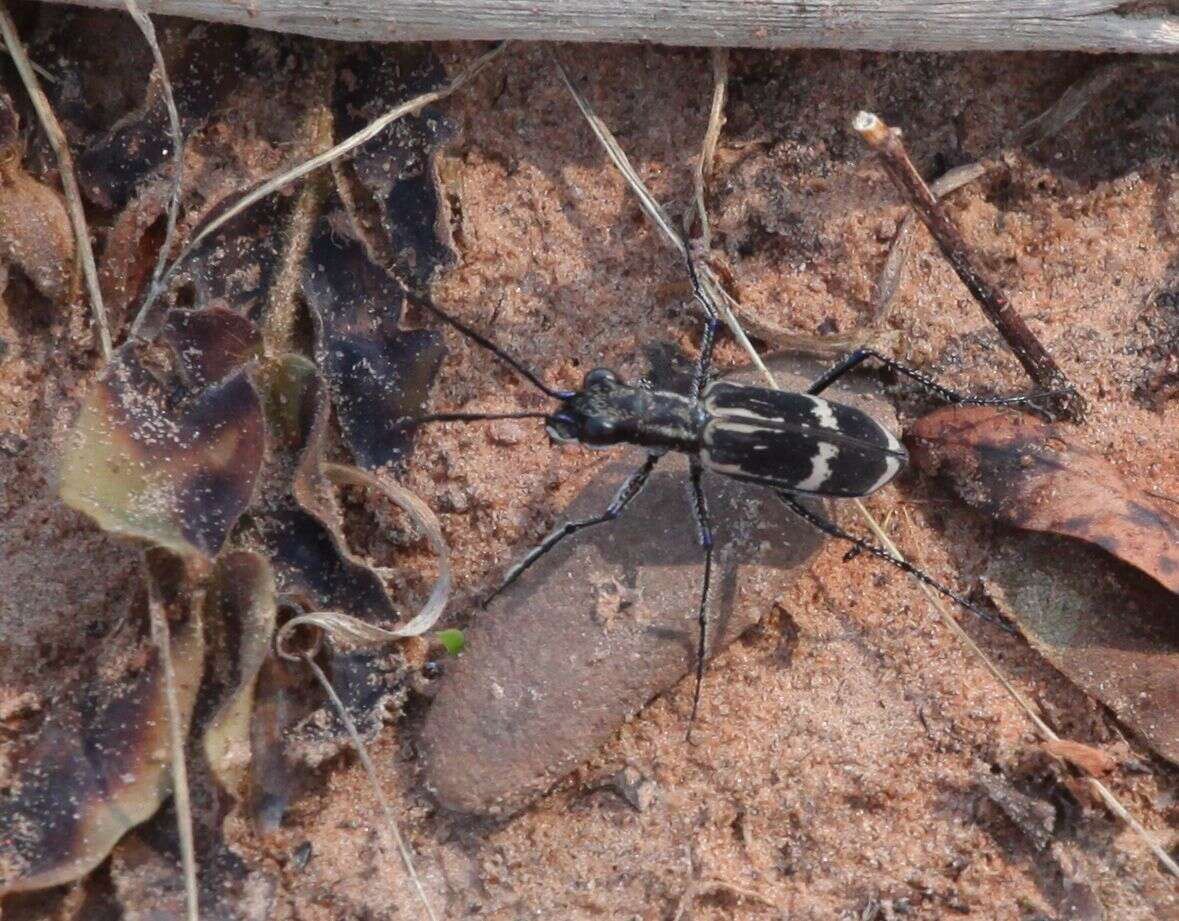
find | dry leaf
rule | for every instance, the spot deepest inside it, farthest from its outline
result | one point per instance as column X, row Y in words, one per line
column 168, row 444
column 393, row 189
column 379, row 374
column 99, row 766
column 240, row 610
column 35, row 232
column 1108, row 618
column 1032, row 475
column 1086, row 758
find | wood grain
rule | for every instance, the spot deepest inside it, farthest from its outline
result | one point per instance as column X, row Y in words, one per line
column 884, row 25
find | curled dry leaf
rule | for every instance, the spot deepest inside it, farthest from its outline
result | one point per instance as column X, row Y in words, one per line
column 1030, row 474
column 35, row 232
column 99, row 765
column 239, row 613
column 379, row 374
column 1107, row 618
column 296, row 525
column 168, row 445
column 394, row 192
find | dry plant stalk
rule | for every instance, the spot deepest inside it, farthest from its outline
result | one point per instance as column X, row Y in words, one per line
column 176, row 731
column 65, row 165
column 161, row 71
column 1035, row 359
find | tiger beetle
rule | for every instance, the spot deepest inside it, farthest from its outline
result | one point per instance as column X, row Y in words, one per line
column 795, row 444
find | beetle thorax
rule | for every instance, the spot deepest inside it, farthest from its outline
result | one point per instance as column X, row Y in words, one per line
column 607, row 411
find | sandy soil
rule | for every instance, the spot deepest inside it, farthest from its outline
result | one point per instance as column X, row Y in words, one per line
column 836, row 767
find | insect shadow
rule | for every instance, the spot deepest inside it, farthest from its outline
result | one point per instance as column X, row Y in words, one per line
column 796, row 444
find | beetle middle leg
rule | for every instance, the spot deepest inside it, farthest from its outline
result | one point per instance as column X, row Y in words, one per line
column 859, row 356
column 704, row 532
column 829, row 527
column 632, row 486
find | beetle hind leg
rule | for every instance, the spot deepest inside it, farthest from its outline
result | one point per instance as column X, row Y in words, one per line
column 831, row 528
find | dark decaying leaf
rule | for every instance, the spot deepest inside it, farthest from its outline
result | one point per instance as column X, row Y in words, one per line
column 99, row 765
column 1030, row 474
column 378, row 373
column 168, row 445
column 396, row 171
column 1107, row 618
column 296, row 525
column 236, row 266
column 202, row 66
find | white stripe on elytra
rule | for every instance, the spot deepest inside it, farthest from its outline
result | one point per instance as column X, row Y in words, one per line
column 820, row 468
column 891, row 466
column 821, row 410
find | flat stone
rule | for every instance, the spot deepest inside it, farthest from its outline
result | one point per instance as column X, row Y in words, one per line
column 607, row 621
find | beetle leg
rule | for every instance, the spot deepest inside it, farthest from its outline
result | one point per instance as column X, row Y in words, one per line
column 628, row 491
column 704, row 531
column 861, row 355
column 831, row 528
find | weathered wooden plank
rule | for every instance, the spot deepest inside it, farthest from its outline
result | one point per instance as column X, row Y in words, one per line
column 885, row 25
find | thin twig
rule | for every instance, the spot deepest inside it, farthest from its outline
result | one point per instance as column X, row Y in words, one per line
column 65, row 166
column 163, row 642
column 889, row 281
column 149, row 33
column 712, row 288
column 1022, row 702
column 285, row 178
column 1035, row 359
column 40, row 71
column 389, row 831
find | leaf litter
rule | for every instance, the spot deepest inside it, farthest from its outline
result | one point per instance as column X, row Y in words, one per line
column 195, row 442
column 1093, row 586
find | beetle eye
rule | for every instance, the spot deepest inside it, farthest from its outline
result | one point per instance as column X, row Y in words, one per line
column 598, row 377
column 597, row 428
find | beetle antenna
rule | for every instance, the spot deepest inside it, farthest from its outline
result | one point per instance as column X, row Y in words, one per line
column 473, row 417
column 479, row 339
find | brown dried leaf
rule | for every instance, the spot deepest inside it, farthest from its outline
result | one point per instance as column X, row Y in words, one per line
column 1094, row 605
column 168, row 445
column 99, row 766
column 1086, row 758
column 1031, row 474
column 1103, row 624
column 35, row 231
